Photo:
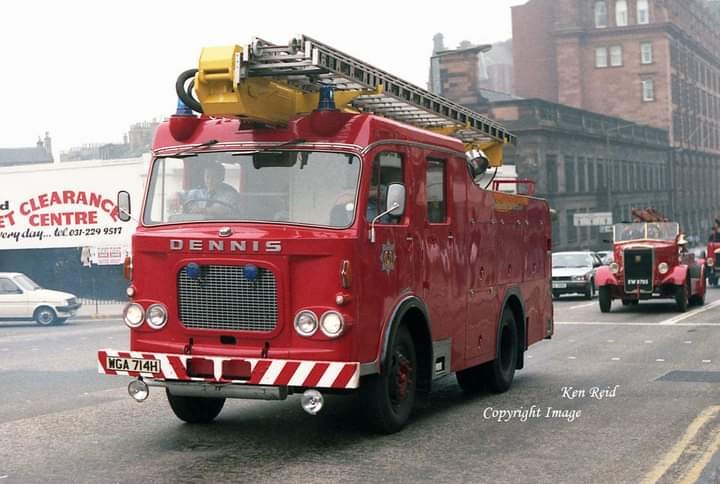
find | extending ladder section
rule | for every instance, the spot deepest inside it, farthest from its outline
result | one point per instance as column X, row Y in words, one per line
column 231, row 80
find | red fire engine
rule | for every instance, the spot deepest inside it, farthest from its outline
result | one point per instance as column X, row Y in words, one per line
column 320, row 228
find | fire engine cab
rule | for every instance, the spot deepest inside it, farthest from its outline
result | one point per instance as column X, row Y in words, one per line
column 318, row 227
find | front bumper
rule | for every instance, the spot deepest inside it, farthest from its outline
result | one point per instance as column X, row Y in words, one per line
column 235, row 371
column 570, row 287
column 68, row 310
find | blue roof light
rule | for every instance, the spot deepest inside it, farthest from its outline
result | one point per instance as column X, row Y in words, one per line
column 327, row 102
column 182, row 109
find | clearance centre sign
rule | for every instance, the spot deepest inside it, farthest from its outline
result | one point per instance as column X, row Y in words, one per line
column 71, row 204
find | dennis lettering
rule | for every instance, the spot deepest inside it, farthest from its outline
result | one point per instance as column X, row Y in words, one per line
column 226, row 245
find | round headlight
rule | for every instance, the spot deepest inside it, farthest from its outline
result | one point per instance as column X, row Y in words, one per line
column 306, row 323
column 614, row 268
column 331, row 324
column 663, row 268
column 710, row 261
column 156, row 316
column 133, row 315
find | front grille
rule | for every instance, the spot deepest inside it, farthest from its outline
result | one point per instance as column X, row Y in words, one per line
column 223, row 298
column 638, row 269
column 562, row 278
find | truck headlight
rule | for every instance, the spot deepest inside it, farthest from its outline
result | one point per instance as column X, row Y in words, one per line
column 156, row 316
column 332, row 324
column 133, row 314
column 306, row 323
column 614, row 268
column 663, row 268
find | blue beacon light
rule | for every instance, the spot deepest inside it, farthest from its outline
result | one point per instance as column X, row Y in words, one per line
column 250, row 272
column 183, row 109
column 327, row 101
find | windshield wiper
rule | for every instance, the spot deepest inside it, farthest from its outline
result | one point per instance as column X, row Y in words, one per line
column 261, row 150
column 189, row 151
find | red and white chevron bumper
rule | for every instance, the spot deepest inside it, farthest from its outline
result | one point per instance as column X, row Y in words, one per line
column 218, row 369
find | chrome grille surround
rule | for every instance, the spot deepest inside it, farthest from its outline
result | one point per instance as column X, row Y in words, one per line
column 223, row 298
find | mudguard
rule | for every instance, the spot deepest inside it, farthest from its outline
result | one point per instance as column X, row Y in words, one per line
column 604, row 277
column 677, row 276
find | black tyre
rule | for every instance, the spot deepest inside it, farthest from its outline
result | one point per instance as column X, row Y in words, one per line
column 699, row 299
column 195, row 410
column 59, row 321
column 681, row 297
column 388, row 398
column 471, row 380
column 556, row 296
column 45, row 316
column 604, row 299
column 499, row 373
column 627, row 302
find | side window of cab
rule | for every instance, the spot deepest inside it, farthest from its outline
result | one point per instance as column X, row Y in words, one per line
column 387, row 168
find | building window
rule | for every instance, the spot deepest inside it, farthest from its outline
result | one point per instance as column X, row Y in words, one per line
column 600, row 15
column 648, row 90
column 570, row 186
column 646, row 53
column 552, row 174
column 643, row 12
column 616, row 59
column 601, row 57
column 621, row 13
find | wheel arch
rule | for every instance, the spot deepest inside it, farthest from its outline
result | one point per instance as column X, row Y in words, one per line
column 413, row 313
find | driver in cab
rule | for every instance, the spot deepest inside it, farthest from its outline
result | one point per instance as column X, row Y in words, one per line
column 217, row 199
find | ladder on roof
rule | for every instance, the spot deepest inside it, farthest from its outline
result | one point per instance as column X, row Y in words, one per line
column 231, row 79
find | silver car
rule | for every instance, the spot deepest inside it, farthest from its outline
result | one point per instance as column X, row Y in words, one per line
column 574, row 273
column 23, row 299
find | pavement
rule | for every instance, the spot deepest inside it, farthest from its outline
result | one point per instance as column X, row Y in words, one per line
column 100, row 310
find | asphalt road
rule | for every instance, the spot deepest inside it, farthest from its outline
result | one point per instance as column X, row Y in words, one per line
column 627, row 396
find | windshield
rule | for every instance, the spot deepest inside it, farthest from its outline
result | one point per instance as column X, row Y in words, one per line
column 572, row 260
column 298, row 187
column 646, row 231
column 26, row 283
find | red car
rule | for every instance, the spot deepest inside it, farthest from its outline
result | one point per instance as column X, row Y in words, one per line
column 650, row 261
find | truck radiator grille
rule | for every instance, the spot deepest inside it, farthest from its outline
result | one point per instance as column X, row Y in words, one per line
column 639, row 263
column 223, row 298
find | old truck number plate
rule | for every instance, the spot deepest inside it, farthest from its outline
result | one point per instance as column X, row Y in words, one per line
column 132, row 364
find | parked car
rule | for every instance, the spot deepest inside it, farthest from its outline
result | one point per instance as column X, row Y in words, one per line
column 21, row 298
column 574, row 273
column 605, row 256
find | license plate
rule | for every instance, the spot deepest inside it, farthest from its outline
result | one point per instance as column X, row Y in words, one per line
column 132, row 364
column 559, row 285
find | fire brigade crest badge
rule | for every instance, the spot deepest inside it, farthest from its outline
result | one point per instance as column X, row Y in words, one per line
column 387, row 257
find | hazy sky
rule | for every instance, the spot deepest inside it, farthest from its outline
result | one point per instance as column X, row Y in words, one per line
column 86, row 70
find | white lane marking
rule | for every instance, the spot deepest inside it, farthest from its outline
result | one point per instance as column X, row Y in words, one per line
column 572, row 357
column 529, row 356
column 659, row 360
column 611, row 341
column 687, row 342
column 648, row 341
column 3, row 477
column 582, row 305
column 615, row 358
column 689, row 314
column 707, row 361
column 620, row 323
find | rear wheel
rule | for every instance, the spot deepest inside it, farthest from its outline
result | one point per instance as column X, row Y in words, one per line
column 195, row 410
column 681, row 297
column 45, row 316
column 604, row 299
column 388, row 398
column 590, row 291
column 499, row 373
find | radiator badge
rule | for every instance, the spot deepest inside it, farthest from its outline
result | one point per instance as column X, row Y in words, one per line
column 388, row 257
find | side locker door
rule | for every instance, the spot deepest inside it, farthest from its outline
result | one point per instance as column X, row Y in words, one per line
column 483, row 304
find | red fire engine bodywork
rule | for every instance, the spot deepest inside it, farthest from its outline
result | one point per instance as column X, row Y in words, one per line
column 449, row 283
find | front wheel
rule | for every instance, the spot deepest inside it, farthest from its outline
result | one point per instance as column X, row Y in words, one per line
column 604, row 299
column 590, row 291
column 681, row 297
column 388, row 398
column 195, row 410
column 45, row 316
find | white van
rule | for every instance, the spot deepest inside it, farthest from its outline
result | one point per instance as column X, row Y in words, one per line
column 23, row 299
